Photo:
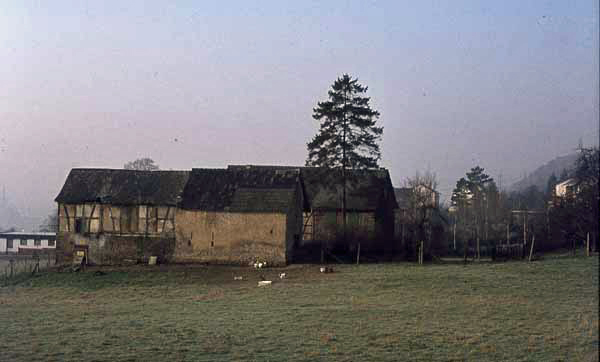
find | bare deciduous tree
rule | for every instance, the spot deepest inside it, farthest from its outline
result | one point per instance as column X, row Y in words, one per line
column 424, row 199
column 142, row 164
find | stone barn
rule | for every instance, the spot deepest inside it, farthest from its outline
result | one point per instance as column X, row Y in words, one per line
column 115, row 216
column 240, row 214
column 370, row 205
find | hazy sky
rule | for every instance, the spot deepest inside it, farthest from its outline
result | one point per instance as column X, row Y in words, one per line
column 507, row 85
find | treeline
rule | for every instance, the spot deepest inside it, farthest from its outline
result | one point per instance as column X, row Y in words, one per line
column 481, row 217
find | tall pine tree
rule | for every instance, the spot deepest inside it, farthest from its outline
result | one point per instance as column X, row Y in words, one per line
column 348, row 136
column 473, row 193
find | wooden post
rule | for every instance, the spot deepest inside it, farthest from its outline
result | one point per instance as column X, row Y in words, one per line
column 112, row 218
column 12, row 263
column 358, row 255
column 402, row 236
column 89, row 222
column 101, row 221
column 454, row 232
column 587, row 245
column 478, row 250
column 507, row 234
column 531, row 250
column 524, row 229
column 68, row 218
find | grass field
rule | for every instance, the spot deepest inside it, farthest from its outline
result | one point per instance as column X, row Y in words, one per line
column 514, row 311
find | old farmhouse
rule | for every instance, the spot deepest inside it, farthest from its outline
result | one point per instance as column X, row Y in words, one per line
column 235, row 215
column 115, row 216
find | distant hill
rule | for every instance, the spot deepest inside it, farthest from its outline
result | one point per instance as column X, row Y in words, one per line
column 540, row 176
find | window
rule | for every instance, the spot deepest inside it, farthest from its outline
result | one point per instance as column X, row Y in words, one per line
column 78, row 225
column 23, row 242
column 50, row 242
column 79, row 219
column 155, row 219
column 37, row 242
column 9, row 243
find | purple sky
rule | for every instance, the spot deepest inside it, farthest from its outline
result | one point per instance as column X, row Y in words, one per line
column 508, row 85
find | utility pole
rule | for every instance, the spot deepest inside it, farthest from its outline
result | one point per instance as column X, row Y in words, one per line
column 526, row 214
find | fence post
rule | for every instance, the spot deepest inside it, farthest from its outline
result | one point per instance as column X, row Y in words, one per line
column 531, row 250
column 12, row 262
column 587, row 245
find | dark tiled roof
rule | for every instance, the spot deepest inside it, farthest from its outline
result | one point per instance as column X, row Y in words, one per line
column 123, row 187
column 243, row 189
column 366, row 190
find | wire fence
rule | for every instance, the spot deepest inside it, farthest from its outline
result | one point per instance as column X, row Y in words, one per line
column 15, row 266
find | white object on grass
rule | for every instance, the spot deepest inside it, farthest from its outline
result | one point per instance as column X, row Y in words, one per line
column 264, row 282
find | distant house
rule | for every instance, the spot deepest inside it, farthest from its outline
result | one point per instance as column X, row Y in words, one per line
column 419, row 197
column 240, row 215
column 22, row 242
column 566, row 188
column 118, row 215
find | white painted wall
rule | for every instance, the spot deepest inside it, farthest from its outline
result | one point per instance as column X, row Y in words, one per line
column 30, row 245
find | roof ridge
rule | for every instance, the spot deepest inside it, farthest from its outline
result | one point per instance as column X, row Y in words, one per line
column 122, row 170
